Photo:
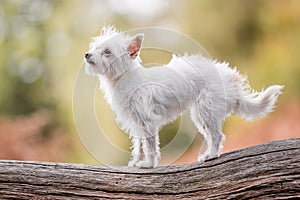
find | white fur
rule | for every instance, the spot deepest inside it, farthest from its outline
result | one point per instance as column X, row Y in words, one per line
column 144, row 99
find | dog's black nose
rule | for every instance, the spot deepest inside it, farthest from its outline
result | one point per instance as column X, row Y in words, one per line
column 88, row 55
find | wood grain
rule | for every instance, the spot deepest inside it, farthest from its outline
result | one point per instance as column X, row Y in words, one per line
column 267, row 171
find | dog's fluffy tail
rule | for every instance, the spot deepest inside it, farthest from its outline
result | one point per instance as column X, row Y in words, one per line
column 253, row 105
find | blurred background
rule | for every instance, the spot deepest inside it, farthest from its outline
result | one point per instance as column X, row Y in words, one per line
column 42, row 44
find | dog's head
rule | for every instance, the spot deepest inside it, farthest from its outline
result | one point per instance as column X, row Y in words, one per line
column 112, row 53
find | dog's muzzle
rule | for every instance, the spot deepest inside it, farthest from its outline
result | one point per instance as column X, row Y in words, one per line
column 88, row 58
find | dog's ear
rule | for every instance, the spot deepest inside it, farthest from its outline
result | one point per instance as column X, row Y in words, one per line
column 102, row 32
column 134, row 45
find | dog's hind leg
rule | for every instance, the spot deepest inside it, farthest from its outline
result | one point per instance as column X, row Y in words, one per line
column 210, row 127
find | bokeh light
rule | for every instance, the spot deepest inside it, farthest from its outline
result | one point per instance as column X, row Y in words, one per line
column 42, row 44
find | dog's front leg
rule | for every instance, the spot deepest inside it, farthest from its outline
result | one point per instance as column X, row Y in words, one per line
column 151, row 152
column 137, row 154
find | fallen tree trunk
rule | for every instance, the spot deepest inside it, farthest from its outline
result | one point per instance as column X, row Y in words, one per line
column 271, row 170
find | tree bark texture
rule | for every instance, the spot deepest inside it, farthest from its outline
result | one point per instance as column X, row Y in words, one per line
column 267, row 171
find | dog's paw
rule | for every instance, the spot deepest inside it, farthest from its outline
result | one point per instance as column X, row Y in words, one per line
column 202, row 158
column 132, row 163
column 205, row 157
column 211, row 156
column 144, row 164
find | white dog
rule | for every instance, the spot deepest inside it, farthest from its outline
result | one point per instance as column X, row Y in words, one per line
column 144, row 99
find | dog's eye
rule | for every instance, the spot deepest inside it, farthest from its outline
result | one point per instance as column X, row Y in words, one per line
column 107, row 51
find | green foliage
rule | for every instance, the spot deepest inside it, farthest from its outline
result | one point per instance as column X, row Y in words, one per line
column 25, row 70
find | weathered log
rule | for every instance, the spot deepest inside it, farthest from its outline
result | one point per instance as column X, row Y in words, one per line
column 267, row 171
